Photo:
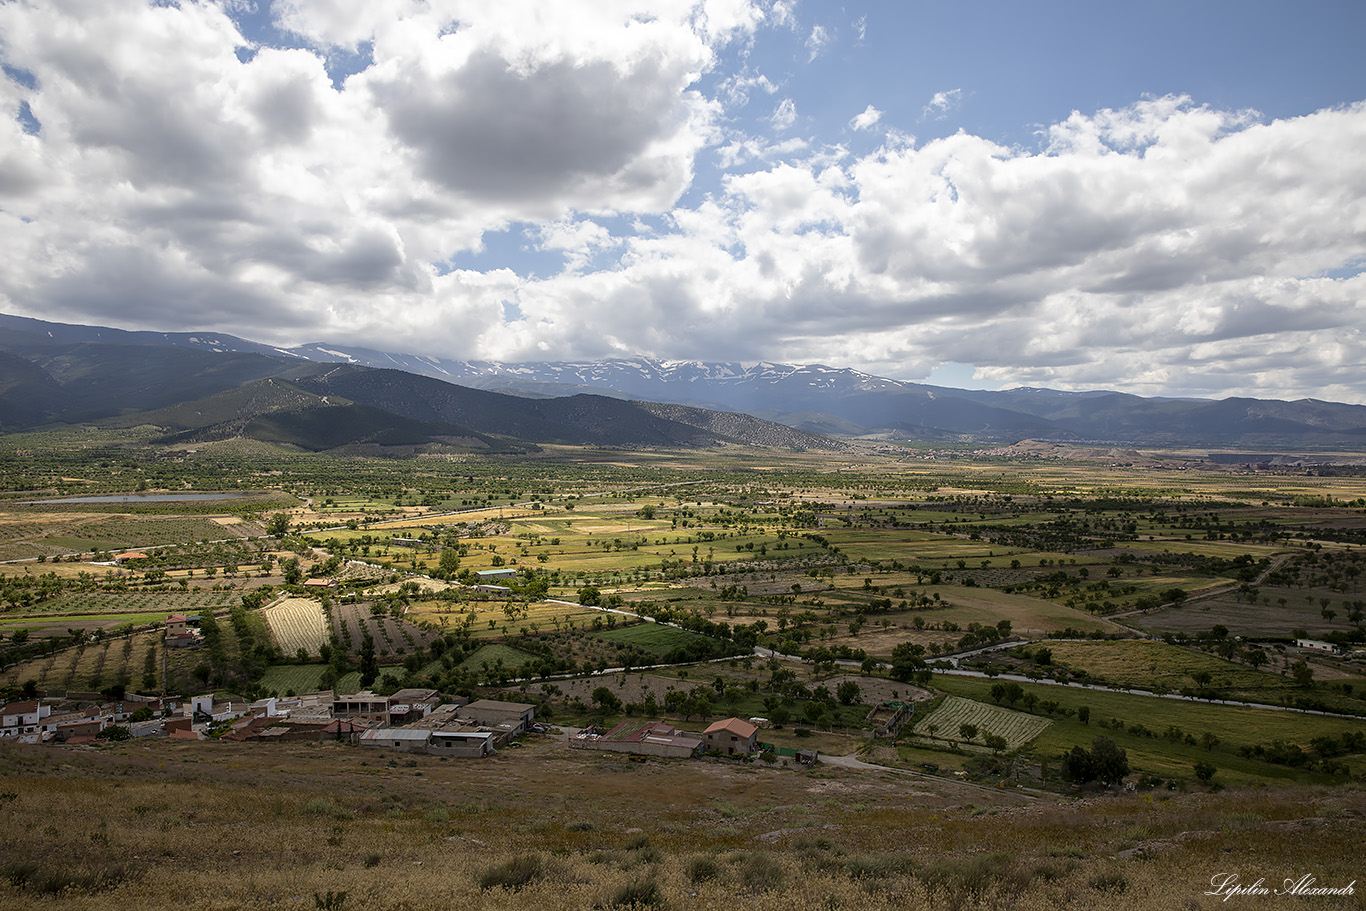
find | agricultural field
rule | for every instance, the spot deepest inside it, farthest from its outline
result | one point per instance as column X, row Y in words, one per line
column 283, row 679
column 1274, row 612
column 498, row 618
column 104, row 611
column 394, row 637
column 95, row 666
column 297, row 624
column 948, row 720
column 496, row 655
column 1153, row 731
column 656, row 638
column 1166, row 667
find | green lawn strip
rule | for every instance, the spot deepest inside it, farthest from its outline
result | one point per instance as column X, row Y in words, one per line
column 1233, row 726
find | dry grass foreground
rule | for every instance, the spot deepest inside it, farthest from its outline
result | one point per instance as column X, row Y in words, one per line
column 304, row 826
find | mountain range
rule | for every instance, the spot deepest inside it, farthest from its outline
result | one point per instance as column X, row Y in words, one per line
column 58, row 372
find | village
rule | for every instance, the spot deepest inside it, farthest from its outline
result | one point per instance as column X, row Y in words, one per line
column 411, row 720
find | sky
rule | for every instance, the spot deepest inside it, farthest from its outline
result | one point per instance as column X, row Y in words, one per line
column 1162, row 198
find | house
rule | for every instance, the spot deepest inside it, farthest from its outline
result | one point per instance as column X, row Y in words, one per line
column 19, row 718
column 731, row 737
column 178, row 633
column 128, row 556
column 404, row 740
column 1317, row 645
column 361, row 706
column 642, row 738
column 462, row 744
column 320, row 582
column 492, row 712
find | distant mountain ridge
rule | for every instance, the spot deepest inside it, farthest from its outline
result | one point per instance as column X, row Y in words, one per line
column 815, row 399
column 205, row 390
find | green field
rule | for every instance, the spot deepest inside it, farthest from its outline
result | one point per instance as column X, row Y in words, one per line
column 493, row 654
column 304, row 678
column 1233, row 726
column 656, row 638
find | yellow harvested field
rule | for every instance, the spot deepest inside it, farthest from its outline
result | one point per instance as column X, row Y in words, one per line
column 297, row 623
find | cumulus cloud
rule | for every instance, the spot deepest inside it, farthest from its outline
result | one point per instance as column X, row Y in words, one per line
column 179, row 176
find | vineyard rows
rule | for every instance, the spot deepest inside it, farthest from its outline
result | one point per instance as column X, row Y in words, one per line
column 1017, row 728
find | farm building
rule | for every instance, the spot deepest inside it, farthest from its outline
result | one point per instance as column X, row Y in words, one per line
column 320, row 582
column 491, row 575
column 492, row 712
column 363, row 705
column 642, row 738
column 405, row 740
column 129, row 556
column 731, row 736
column 462, row 744
column 1317, row 645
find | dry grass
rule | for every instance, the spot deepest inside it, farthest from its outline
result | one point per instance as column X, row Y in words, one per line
column 181, row 825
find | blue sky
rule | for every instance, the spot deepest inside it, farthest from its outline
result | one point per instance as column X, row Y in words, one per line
column 1164, row 198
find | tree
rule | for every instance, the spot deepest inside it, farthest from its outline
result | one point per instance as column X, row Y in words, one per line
column 278, row 525
column 1104, row 762
column 1084, row 714
column 1302, row 672
column 1204, row 770
column 607, row 700
column 589, row 595
column 847, row 692
column 293, row 575
column 369, row 664
column 996, row 742
column 449, row 564
column 1111, row 762
column 968, row 731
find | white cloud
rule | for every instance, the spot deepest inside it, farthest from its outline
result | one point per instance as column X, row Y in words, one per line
column 942, row 102
column 1163, row 247
column 816, row 42
column 867, row 119
column 784, row 115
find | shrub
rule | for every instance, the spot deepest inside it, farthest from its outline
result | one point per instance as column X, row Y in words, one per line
column 703, row 868
column 513, row 874
column 761, row 873
column 638, row 893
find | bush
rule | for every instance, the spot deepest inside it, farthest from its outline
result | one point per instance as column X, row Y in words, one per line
column 513, row 874
column 703, row 868
column 761, row 873
column 639, row 893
